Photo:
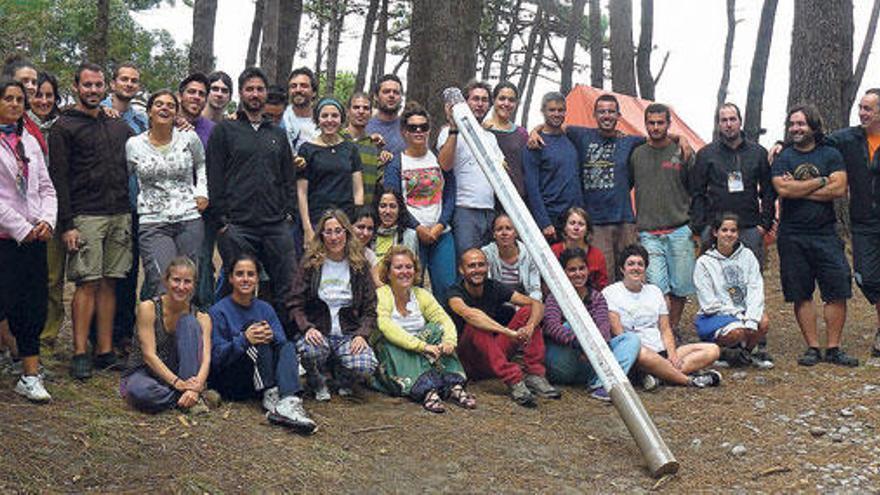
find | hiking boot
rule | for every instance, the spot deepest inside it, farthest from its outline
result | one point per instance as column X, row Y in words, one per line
column 270, row 399
column 600, row 394
column 212, row 398
column 709, row 378
column 836, row 355
column 538, row 385
column 322, row 394
column 290, row 413
column 520, row 394
column 31, row 386
column 811, row 357
column 106, row 361
column 875, row 349
column 81, row 367
column 650, row 382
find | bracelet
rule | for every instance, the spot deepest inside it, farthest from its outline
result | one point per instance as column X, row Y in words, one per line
column 453, row 132
column 176, row 379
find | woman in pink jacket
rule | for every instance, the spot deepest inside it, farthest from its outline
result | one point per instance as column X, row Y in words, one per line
column 28, row 208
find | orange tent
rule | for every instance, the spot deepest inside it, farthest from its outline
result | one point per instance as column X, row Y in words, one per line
column 579, row 111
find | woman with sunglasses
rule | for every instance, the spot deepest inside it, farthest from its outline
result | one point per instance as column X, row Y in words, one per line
column 429, row 195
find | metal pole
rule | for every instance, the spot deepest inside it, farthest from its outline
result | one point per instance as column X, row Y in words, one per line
column 660, row 459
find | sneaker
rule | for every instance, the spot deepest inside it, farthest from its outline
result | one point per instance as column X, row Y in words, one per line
column 290, row 413
column 811, row 357
column 650, row 382
column 322, row 394
column 760, row 363
column 709, row 378
column 81, row 367
column 270, row 399
column 212, row 398
column 345, row 391
column 105, row 361
column 538, row 385
column 600, row 394
column 14, row 368
column 521, row 394
column 760, row 352
column 31, row 386
column 838, row 356
column 875, row 349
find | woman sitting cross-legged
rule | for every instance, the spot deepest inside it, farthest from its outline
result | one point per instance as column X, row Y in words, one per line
column 730, row 289
column 251, row 355
column 170, row 359
column 565, row 360
column 334, row 307
column 639, row 307
column 416, row 339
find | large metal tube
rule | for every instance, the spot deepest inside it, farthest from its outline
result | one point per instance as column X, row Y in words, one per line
column 660, row 460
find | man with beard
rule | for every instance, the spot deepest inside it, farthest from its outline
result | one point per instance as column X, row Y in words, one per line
column 126, row 84
column 474, row 196
column 90, row 173
column 251, row 183
column 660, row 174
column 219, row 94
column 373, row 158
column 808, row 176
column 302, row 86
column 548, row 170
column 388, row 93
column 486, row 344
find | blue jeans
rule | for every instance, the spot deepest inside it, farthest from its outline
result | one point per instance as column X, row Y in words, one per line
column 671, row 264
column 566, row 366
column 439, row 259
column 258, row 369
column 472, row 227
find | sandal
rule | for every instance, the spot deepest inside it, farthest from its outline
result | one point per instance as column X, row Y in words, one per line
column 433, row 403
column 462, row 398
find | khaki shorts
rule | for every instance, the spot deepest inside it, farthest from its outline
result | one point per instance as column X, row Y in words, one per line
column 105, row 248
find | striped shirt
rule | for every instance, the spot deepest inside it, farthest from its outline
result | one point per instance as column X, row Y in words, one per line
column 372, row 172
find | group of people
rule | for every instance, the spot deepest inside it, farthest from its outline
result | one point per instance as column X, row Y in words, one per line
column 356, row 254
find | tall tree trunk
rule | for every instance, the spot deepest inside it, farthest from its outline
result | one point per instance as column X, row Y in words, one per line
column 98, row 50
column 201, row 52
column 755, row 98
column 338, row 9
column 443, row 49
column 728, row 53
column 381, row 48
column 319, row 52
column 366, row 39
column 256, row 31
column 571, row 38
column 269, row 46
column 530, row 50
column 504, row 66
column 288, row 36
column 490, row 43
column 643, row 57
column 622, row 68
column 533, row 77
column 852, row 86
column 597, row 46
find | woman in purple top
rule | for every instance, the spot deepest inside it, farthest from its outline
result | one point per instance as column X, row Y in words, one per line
column 28, row 210
column 564, row 358
column 511, row 138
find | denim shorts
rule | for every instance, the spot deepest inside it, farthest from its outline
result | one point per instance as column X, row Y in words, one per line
column 671, row 264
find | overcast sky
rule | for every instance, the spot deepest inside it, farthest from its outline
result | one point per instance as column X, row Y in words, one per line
column 693, row 31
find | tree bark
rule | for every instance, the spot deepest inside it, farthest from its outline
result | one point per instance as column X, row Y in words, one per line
column 504, row 68
column 490, row 41
column 755, row 98
column 533, row 77
column 852, row 86
column 728, row 54
column 530, row 50
column 366, row 39
column 622, row 67
column 381, row 48
column 288, row 36
column 571, row 39
column 319, row 52
column 256, row 32
column 201, row 52
column 338, row 9
column 443, row 50
column 597, row 46
column 643, row 57
column 98, row 50
column 269, row 45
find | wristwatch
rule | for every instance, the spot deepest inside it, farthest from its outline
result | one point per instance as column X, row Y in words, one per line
column 824, row 181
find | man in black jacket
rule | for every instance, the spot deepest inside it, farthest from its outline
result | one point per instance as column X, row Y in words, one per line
column 252, row 186
column 89, row 170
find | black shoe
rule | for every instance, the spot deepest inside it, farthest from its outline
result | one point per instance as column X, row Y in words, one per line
column 811, row 357
column 81, row 367
column 836, row 355
column 760, row 353
column 105, row 361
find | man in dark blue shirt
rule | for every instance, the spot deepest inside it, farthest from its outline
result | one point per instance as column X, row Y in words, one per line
column 808, row 176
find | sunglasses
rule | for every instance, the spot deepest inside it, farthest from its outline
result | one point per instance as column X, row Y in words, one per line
column 414, row 128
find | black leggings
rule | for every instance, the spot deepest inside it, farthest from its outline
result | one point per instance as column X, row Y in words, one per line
column 24, row 292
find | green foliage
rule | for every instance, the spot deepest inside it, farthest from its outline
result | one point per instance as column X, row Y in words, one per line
column 344, row 85
column 55, row 34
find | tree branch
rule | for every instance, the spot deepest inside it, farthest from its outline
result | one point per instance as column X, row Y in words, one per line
column 855, row 81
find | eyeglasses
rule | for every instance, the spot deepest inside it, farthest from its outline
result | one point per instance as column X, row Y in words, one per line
column 336, row 231
column 415, row 128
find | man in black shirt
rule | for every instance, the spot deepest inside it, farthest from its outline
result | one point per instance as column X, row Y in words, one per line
column 252, row 186
column 486, row 344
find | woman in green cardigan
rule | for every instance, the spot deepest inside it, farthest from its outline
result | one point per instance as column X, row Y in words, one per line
column 416, row 339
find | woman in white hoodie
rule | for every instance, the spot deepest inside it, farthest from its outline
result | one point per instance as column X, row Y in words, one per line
column 730, row 289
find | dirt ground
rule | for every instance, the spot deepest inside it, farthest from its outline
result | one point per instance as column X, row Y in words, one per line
column 790, row 429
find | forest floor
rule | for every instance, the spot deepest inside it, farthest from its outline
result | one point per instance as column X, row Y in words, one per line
column 790, row 429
